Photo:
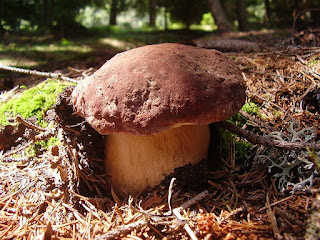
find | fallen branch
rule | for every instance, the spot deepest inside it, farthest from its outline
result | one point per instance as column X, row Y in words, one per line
column 268, row 142
column 38, row 73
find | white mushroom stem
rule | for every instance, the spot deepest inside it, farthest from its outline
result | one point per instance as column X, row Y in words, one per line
column 137, row 162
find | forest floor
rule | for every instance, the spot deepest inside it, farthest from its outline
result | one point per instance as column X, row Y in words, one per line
column 260, row 192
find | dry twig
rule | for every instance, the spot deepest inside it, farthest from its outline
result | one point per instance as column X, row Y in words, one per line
column 37, row 73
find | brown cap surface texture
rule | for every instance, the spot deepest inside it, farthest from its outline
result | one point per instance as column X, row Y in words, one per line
column 153, row 88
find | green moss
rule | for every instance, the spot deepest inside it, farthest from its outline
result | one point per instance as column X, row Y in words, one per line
column 314, row 63
column 242, row 148
column 250, row 108
column 40, row 146
column 33, row 102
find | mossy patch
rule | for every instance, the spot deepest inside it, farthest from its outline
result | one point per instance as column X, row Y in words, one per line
column 33, row 102
column 242, row 148
column 250, row 108
column 314, row 64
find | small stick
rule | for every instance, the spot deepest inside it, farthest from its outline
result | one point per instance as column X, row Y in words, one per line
column 273, row 220
column 120, row 230
column 2, row 157
column 255, row 120
column 7, row 230
column 268, row 142
column 275, row 203
column 230, row 214
column 112, row 234
column 43, row 135
column 176, row 212
column 119, row 213
column 195, row 199
column 4, row 199
column 288, row 216
column 37, row 73
column 170, row 195
column 19, row 119
column 76, row 214
column 156, row 231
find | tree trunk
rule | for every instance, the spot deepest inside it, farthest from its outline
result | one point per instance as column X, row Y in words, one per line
column 1, row 16
column 267, row 11
column 314, row 7
column 166, row 14
column 46, row 13
column 113, row 12
column 315, row 16
column 50, row 12
column 152, row 12
column 299, row 15
column 219, row 15
column 242, row 15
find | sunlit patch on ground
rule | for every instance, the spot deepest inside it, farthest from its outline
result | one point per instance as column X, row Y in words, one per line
column 17, row 61
column 116, row 43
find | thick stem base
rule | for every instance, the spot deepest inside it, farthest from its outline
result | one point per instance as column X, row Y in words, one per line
column 137, row 162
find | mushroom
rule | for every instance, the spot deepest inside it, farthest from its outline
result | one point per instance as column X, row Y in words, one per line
column 154, row 104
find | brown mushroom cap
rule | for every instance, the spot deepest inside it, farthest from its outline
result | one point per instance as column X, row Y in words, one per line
column 153, row 88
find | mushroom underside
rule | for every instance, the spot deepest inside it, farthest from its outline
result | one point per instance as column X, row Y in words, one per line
column 137, row 162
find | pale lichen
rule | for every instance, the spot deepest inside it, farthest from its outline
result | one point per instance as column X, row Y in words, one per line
column 294, row 169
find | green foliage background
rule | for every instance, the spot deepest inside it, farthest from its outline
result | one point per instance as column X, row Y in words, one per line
column 67, row 17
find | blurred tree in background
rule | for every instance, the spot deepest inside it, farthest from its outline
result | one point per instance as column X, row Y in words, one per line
column 13, row 11
column 60, row 16
column 117, row 6
column 219, row 15
column 241, row 9
column 185, row 11
column 144, row 7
